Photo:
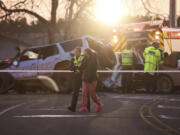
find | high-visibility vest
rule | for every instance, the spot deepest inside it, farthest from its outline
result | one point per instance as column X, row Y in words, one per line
column 77, row 61
column 152, row 58
column 127, row 58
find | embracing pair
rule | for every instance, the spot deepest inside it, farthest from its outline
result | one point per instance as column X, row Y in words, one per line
column 85, row 75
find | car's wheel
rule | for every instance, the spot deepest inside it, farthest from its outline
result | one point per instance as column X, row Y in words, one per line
column 63, row 80
column 164, row 84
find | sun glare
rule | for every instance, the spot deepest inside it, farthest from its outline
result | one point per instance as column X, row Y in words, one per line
column 110, row 11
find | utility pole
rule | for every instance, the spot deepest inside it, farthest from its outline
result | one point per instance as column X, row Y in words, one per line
column 172, row 13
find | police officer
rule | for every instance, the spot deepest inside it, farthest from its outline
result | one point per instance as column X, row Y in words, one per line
column 152, row 57
column 76, row 80
column 161, row 55
column 127, row 61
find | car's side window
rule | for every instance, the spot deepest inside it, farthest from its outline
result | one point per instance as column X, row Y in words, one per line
column 32, row 54
column 71, row 45
column 49, row 51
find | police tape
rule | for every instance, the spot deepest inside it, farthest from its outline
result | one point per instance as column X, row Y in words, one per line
column 99, row 71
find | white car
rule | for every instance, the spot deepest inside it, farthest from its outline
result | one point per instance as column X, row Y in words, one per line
column 56, row 57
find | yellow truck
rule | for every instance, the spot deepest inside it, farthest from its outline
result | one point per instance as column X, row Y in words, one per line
column 139, row 35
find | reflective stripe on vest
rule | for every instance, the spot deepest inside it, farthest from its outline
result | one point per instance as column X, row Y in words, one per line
column 77, row 61
column 151, row 63
column 154, row 54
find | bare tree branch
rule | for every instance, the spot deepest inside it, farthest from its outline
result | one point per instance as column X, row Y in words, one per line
column 81, row 9
column 17, row 4
column 11, row 11
column 54, row 7
column 150, row 11
column 71, row 10
column 5, row 16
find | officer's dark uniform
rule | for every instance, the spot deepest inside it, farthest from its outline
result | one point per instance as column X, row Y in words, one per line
column 127, row 60
column 76, row 82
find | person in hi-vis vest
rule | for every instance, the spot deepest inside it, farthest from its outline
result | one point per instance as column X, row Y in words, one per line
column 76, row 79
column 128, row 60
column 152, row 58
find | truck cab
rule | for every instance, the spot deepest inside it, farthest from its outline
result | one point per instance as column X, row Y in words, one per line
column 169, row 39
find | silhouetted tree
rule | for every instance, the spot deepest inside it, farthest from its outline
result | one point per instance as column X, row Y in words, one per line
column 73, row 9
column 178, row 21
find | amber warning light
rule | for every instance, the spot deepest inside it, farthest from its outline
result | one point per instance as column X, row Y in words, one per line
column 115, row 39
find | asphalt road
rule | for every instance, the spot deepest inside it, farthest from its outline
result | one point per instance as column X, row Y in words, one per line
column 123, row 114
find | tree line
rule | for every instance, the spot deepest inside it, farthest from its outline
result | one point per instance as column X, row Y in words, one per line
column 77, row 14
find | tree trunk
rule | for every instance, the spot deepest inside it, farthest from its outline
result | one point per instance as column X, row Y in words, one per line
column 67, row 32
column 52, row 33
column 52, row 28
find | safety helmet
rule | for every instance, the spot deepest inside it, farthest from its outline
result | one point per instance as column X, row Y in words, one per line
column 155, row 44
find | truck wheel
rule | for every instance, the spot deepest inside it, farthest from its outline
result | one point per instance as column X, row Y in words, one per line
column 164, row 84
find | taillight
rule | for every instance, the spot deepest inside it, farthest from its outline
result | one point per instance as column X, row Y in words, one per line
column 9, row 61
column 160, row 26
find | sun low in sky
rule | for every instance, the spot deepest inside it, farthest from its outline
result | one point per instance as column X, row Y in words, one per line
column 110, row 11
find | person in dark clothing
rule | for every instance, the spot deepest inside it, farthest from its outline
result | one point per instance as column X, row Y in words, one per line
column 76, row 80
column 89, row 80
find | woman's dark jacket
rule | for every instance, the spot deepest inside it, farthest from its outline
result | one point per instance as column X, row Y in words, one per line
column 89, row 68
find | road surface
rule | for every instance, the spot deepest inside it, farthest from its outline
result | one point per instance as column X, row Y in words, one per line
column 123, row 114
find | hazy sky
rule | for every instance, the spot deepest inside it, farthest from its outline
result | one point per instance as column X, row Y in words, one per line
column 134, row 7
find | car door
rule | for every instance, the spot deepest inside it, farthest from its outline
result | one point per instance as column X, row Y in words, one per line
column 27, row 61
column 49, row 57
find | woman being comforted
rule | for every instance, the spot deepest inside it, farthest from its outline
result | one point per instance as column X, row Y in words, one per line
column 89, row 80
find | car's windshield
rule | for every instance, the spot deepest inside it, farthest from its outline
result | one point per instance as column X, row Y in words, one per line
column 69, row 46
column 30, row 55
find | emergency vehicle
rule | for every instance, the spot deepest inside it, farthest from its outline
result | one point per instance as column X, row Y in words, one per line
column 139, row 35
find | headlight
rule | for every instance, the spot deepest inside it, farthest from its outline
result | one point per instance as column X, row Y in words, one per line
column 114, row 30
column 115, row 39
column 157, row 37
column 158, row 33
